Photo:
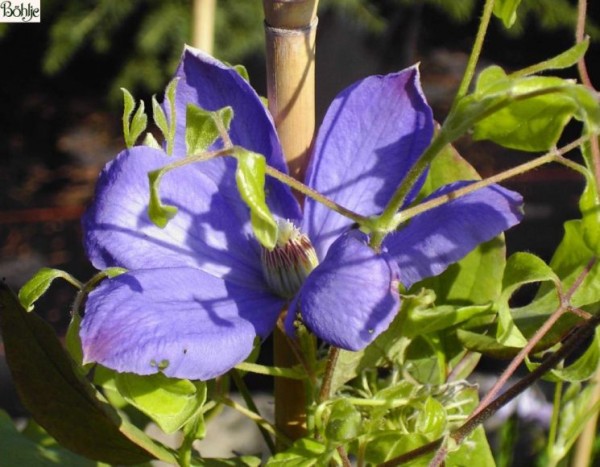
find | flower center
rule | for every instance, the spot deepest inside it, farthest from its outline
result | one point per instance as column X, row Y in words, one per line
column 287, row 265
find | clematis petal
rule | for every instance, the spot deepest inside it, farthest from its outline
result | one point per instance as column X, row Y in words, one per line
column 212, row 85
column 211, row 230
column 443, row 235
column 182, row 321
column 351, row 297
column 371, row 136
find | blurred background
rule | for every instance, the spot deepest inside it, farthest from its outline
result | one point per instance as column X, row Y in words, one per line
column 60, row 103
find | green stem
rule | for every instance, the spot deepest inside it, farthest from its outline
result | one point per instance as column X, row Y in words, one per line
column 241, row 385
column 476, row 51
column 332, row 358
column 270, row 370
column 554, row 421
column 553, row 156
column 308, row 191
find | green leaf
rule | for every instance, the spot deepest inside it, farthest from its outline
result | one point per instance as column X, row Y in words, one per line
column 567, row 59
column 426, row 319
column 203, row 127
column 476, row 278
column 577, row 407
column 72, row 339
column 475, row 450
column 431, row 419
column 387, row 445
column 241, row 70
column 169, row 102
column 506, row 10
column 589, row 203
column 132, row 128
column 304, row 453
column 343, row 423
column 521, row 269
column 171, row 403
column 159, row 117
column 581, row 370
column 35, row 287
column 128, row 106
column 138, row 124
column 570, row 259
column 242, row 461
column 524, row 113
column 250, row 178
column 160, row 214
column 60, row 398
column 530, row 124
column 20, row 450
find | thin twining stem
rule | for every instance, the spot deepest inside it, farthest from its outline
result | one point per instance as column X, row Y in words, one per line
column 552, row 156
column 278, row 175
column 580, row 37
column 475, row 51
column 308, row 191
column 535, row 339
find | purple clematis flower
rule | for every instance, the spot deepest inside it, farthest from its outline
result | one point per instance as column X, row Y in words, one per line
column 198, row 292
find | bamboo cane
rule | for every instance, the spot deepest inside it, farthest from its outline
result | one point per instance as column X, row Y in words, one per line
column 290, row 45
column 203, row 24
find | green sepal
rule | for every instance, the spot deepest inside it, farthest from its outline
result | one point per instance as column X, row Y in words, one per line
column 506, row 10
column 250, row 178
column 204, row 127
column 160, row 214
column 169, row 402
column 60, row 398
column 35, row 287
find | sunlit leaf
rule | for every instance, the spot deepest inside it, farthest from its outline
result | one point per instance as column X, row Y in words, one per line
column 304, row 453
column 250, row 178
column 160, row 214
column 203, row 127
column 171, row 403
column 35, row 287
column 506, row 10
